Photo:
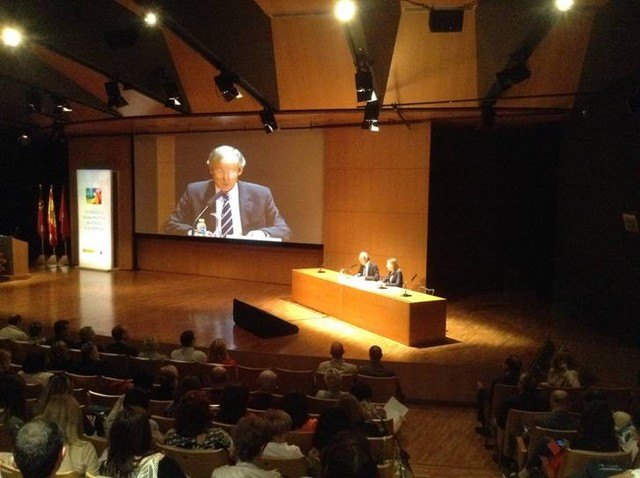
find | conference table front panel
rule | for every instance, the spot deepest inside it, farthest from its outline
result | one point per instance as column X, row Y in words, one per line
column 416, row 320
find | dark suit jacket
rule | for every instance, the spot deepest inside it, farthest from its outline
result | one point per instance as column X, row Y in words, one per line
column 374, row 273
column 394, row 279
column 257, row 210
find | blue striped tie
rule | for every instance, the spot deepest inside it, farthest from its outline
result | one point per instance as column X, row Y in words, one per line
column 226, row 222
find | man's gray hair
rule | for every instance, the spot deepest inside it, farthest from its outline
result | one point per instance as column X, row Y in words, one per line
column 225, row 151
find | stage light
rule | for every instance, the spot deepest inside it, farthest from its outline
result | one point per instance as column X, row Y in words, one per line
column 225, row 84
column 564, row 5
column 173, row 94
column 62, row 105
column 371, row 114
column 11, row 36
column 344, row 10
column 364, row 85
column 151, row 18
column 513, row 75
column 114, row 98
column 268, row 120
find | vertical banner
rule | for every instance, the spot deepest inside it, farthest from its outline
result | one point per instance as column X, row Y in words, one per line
column 95, row 211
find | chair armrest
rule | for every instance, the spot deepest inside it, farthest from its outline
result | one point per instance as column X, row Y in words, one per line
column 521, row 452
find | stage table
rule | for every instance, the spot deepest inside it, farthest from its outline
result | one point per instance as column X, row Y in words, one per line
column 416, row 320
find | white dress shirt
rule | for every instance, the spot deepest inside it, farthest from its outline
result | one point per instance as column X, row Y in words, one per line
column 234, row 202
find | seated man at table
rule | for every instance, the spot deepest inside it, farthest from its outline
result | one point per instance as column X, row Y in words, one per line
column 368, row 270
column 375, row 368
column 337, row 351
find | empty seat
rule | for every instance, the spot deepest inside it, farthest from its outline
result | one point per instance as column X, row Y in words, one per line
column 295, row 380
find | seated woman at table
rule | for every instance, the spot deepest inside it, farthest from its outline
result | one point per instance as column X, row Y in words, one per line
column 394, row 277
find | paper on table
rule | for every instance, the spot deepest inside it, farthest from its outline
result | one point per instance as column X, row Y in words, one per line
column 397, row 411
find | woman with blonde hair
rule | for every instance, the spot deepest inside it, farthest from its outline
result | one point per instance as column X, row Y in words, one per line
column 394, row 277
column 81, row 455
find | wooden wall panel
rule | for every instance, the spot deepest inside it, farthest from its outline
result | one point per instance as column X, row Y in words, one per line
column 108, row 152
column 232, row 261
column 376, row 196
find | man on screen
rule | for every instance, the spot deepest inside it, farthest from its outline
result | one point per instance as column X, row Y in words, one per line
column 229, row 207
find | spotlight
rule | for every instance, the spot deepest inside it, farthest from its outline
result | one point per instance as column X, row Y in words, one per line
column 513, row 75
column 33, row 101
column 564, row 5
column 62, row 105
column 24, row 139
column 11, row 36
column 364, row 85
column 151, row 18
column 225, row 84
column 345, row 10
column 268, row 120
column 173, row 94
column 114, row 98
column 371, row 113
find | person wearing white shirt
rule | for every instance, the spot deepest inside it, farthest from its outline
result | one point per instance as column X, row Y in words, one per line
column 279, row 423
column 12, row 330
column 187, row 352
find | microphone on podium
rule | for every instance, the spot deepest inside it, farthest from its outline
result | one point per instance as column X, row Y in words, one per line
column 406, row 293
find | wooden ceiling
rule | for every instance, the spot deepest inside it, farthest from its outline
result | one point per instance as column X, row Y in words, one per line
column 431, row 75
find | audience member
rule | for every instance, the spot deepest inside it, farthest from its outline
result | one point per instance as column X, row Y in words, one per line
column 81, row 455
column 510, row 375
column 187, row 352
column 262, row 398
column 219, row 354
column 527, row 399
column 90, row 362
column 626, row 433
column 559, row 418
column 185, row 385
column 119, row 344
column 363, row 393
column 250, row 437
column 295, row 405
column 5, row 362
column 358, row 419
column 59, row 357
column 330, row 422
column 87, row 335
column 131, row 450
column 12, row 330
column 278, row 425
column 150, row 349
column 563, row 372
column 33, row 368
column 333, row 384
column 375, row 368
column 233, row 405
column 168, row 381
column 39, row 449
column 58, row 384
column 596, row 430
column 13, row 405
column 35, row 333
column 193, row 425
column 60, row 333
column 219, row 378
column 348, row 455
column 336, row 362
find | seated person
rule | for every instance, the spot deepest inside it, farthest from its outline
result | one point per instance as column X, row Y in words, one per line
column 510, row 375
column 278, row 425
column 188, row 383
column 296, row 406
column 394, row 277
column 187, row 352
column 333, row 385
column 61, row 332
column 233, row 405
column 563, row 371
column 168, row 381
column 13, row 405
column 193, row 425
column 219, row 354
column 150, row 348
column 367, row 270
column 219, row 381
column 86, row 334
column 596, row 431
column 358, row 419
column 347, row 454
column 59, row 357
column 337, row 362
column 35, row 333
column 119, row 344
column 363, row 393
column 626, row 433
column 33, row 369
column 527, row 399
column 39, row 449
column 559, row 418
column 263, row 397
column 375, row 368
column 90, row 362
column 12, row 330
column 58, row 384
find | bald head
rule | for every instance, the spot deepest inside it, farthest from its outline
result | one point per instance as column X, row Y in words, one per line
column 337, row 350
column 267, row 381
column 559, row 401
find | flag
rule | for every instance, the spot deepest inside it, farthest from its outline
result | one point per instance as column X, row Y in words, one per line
column 41, row 214
column 63, row 218
column 53, row 232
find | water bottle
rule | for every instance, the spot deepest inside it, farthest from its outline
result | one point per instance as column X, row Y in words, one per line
column 201, row 228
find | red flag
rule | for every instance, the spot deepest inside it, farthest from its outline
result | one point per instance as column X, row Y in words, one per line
column 41, row 214
column 53, row 229
column 63, row 218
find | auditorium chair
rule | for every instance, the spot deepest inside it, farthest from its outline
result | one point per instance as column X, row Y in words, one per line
column 46, row 351
column 386, row 423
column 80, row 394
column 536, row 434
column 575, row 396
column 304, row 440
column 295, row 381
column 516, row 421
column 575, row 461
column 33, row 390
column 196, row 463
column 31, row 404
column 249, row 376
column 7, row 344
column 114, row 385
column 100, row 443
column 319, row 405
column 75, row 355
column 227, row 427
column 116, row 365
column 186, row 369
column 386, row 471
column 383, row 388
column 102, row 399
column 6, row 441
column 206, row 372
column 157, row 407
column 7, row 471
column 348, row 380
column 288, row 467
column 20, row 350
column 88, row 382
column 140, row 364
column 15, row 367
column 381, row 448
column 618, row 398
column 500, row 394
column 164, row 423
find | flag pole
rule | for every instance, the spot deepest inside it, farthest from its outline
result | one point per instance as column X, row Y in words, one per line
column 52, row 263
column 41, row 260
column 63, row 223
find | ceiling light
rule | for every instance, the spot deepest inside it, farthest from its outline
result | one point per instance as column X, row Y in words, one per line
column 225, row 84
column 24, row 139
column 268, row 120
column 173, row 93
column 62, row 105
column 364, row 85
column 371, row 113
column 564, row 5
column 114, row 97
column 151, row 19
column 345, row 10
column 11, row 36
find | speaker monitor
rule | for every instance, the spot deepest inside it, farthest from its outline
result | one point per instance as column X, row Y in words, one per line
column 445, row 21
column 261, row 323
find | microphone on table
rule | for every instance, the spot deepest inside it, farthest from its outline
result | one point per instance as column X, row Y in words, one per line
column 209, row 203
column 344, row 271
column 320, row 271
column 406, row 293
column 427, row 290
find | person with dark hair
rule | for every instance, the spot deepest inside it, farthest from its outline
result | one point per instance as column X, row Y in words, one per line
column 60, row 333
column 192, row 427
column 330, row 422
column 218, row 353
column 278, row 425
column 233, row 405
column 39, row 449
column 527, row 399
column 35, row 333
column 131, row 451
column 59, row 357
column 250, row 437
column 262, row 398
column 510, row 375
column 295, row 404
column 187, row 351
column 219, row 379
column 90, row 363
column 359, row 421
column 119, row 344
column 188, row 383
column 86, row 335
column 13, row 405
column 337, row 362
column 375, row 368
column 168, row 381
column 33, row 368
column 363, row 393
column 137, row 398
column 596, row 430
column 348, row 455
column 12, row 330
column 563, row 371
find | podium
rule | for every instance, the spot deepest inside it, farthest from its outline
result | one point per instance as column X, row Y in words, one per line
column 16, row 253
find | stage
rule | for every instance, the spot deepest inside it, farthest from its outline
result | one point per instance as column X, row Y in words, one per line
column 481, row 331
